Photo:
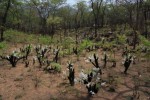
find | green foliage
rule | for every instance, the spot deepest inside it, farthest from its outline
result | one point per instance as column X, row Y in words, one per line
column 85, row 43
column 45, row 40
column 145, row 44
column 3, row 45
column 13, row 58
column 67, row 43
column 54, row 20
column 116, row 15
column 144, row 41
column 109, row 45
column 16, row 21
column 14, row 36
column 65, row 52
column 128, row 31
column 56, row 66
column 121, row 39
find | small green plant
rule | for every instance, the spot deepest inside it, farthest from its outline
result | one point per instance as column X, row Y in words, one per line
column 45, row 40
column 15, row 36
column 121, row 39
column 3, row 45
column 41, row 52
column 52, row 67
column 85, row 43
column 26, row 51
column 145, row 41
column 128, row 31
column 67, row 43
column 108, row 45
column 56, row 67
column 13, row 58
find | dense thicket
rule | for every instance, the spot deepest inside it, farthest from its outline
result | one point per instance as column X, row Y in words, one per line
column 47, row 16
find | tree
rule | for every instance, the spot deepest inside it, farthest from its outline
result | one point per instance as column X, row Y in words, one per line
column 81, row 9
column 146, row 13
column 52, row 22
column 43, row 9
column 66, row 14
column 46, row 8
column 4, row 17
column 96, row 6
column 55, row 6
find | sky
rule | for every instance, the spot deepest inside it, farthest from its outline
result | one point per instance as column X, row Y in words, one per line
column 72, row 2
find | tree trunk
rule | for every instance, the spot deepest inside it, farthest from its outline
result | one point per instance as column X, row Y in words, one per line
column 4, row 20
column 52, row 30
column 145, row 21
column 135, row 40
column 131, row 22
column 137, row 15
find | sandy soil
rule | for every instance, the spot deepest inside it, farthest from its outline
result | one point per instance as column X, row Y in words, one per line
column 32, row 83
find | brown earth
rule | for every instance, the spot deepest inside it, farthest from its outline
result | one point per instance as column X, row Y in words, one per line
column 33, row 83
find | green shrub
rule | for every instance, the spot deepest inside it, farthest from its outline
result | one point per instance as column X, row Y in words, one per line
column 45, row 40
column 67, row 42
column 85, row 43
column 109, row 45
column 3, row 45
column 21, row 37
column 56, row 67
column 128, row 32
column 121, row 39
column 144, row 41
column 15, row 36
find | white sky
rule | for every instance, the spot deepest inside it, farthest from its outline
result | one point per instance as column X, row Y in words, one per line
column 72, row 2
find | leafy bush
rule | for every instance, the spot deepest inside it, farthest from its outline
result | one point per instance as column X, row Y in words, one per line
column 85, row 43
column 67, row 43
column 109, row 45
column 13, row 58
column 3, row 45
column 26, row 50
column 56, row 67
column 41, row 52
column 121, row 39
column 15, row 36
column 144, row 41
column 45, row 40
column 128, row 32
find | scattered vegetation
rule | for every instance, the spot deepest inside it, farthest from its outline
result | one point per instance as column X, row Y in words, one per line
column 38, row 37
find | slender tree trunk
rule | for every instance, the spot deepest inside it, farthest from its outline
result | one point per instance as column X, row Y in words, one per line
column 52, row 30
column 137, row 15
column 4, row 20
column 131, row 22
column 145, row 21
column 135, row 40
column 95, row 26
